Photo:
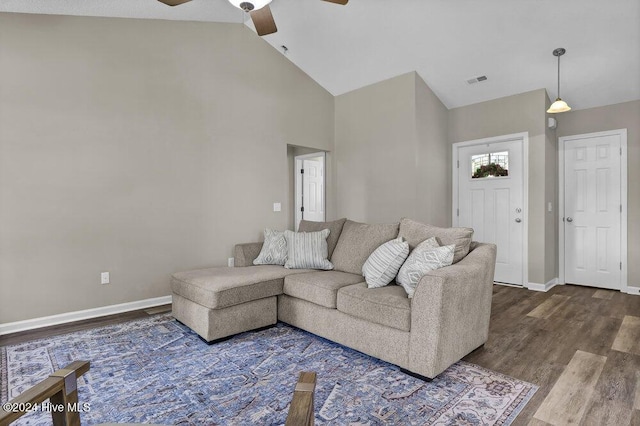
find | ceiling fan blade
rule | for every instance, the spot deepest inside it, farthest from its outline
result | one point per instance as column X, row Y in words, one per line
column 173, row 2
column 342, row 2
column 263, row 21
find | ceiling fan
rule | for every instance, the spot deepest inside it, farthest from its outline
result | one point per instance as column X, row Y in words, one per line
column 258, row 9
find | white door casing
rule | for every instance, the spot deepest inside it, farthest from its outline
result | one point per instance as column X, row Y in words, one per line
column 593, row 209
column 310, row 187
column 495, row 207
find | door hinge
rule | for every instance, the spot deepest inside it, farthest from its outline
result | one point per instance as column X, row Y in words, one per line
column 458, row 164
column 302, row 209
column 620, row 208
column 457, row 212
column 302, row 171
column 621, row 266
column 620, row 151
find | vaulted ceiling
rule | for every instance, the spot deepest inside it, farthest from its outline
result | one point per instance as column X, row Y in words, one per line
column 446, row 41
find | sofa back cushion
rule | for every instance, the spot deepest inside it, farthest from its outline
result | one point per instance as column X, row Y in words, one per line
column 334, row 227
column 356, row 243
column 416, row 232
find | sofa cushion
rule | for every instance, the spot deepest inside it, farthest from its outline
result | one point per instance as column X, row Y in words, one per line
column 218, row 288
column 385, row 262
column 307, row 250
column 416, row 232
column 387, row 306
column 274, row 249
column 318, row 287
column 356, row 243
column 334, row 227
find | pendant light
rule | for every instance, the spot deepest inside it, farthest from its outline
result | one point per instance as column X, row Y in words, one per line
column 559, row 105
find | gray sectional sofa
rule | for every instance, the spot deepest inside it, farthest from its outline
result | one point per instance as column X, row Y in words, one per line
column 447, row 318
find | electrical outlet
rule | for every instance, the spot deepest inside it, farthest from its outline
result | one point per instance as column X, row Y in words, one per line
column 231, row 262
column 277, row 207
column 104, row 278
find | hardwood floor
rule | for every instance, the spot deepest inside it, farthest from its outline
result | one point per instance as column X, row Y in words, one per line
column 55, row 330
column 580, row 345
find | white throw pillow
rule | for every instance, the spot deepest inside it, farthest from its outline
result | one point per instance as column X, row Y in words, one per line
column 274, row 249
column 426, row 257
column 383, row 264
column 307, row 250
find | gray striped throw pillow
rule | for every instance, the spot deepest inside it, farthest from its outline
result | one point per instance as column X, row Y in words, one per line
column 383, row 264
column 307, row 250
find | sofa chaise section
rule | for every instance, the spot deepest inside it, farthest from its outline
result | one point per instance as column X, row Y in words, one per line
column 220, row 302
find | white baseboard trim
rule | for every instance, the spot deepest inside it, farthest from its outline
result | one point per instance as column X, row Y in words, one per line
column 30, row 324
column 543, row 287
column 633, row 290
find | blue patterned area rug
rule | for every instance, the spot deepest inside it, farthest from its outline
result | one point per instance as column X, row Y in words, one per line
column 158, row 371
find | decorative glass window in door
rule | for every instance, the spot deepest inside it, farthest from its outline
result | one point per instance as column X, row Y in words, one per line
column 490, row 165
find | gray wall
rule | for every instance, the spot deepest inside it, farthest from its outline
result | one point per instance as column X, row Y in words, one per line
column 524, row 112
column 619, row 116
column 139, row 147
column 391, row 153
column 433, row 160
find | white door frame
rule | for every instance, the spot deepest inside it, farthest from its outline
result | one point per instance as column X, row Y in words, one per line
column 297, row 200
column 623, row 200
column 523, row 137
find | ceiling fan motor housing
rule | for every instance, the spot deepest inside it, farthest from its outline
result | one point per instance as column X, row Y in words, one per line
column 247, row 6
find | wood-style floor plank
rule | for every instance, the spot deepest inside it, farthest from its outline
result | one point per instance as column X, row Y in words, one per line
column 603, row 294
column 567, row 400
column 636, row 403
column 551, row 305
column 628, row 338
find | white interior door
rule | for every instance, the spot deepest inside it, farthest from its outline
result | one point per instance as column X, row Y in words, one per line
column 310, row 187
column 313, row 190
column 494, row 205
column 592, row 211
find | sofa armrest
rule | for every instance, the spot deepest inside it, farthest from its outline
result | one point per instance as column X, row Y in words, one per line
column 450, row 312
column 246, row 253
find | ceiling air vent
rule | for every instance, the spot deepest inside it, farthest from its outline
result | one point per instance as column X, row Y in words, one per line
column 475, row 80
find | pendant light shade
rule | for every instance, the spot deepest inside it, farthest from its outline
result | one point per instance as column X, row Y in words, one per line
column 559, row 105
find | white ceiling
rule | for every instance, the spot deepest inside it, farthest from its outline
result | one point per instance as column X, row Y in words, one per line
column 446, row 41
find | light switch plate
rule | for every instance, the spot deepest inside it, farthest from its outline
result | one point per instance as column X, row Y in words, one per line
column 277, row 207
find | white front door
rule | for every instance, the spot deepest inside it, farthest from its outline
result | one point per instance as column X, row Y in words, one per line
column 592, row 210
column 491, row 201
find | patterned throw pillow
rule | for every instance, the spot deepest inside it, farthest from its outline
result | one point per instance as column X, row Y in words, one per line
column 426, row 257
column 307, row 250
column 274, row 249
column 383, row 264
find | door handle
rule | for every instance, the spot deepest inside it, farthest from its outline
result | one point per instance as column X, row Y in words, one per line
column 569, row 219
column 518, row 220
